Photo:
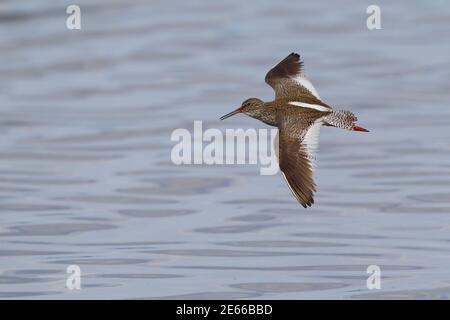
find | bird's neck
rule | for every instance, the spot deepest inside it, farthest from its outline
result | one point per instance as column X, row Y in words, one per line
column 267, row 114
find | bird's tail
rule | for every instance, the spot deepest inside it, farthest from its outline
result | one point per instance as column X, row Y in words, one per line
column 343, row 119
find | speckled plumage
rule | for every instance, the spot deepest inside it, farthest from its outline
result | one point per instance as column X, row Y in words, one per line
column 298, row 113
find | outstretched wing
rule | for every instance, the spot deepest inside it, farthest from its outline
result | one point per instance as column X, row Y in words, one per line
column 296, row 157
column 288, row 80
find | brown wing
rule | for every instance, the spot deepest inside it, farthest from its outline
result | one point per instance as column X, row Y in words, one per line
column 287, row 79
column 296, row 167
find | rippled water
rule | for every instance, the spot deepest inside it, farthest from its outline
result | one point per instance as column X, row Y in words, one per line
column 86, row 176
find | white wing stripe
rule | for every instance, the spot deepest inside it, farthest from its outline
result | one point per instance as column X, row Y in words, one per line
column 308, row 105
column 307, row 84
column 311, row 140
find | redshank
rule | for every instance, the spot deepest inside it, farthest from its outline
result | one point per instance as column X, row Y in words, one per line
column 298, row 113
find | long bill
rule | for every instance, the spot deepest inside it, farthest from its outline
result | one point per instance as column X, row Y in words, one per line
column 232, row 113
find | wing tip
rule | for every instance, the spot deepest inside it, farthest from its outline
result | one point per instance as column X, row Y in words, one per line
column 296, row 57
column 306, row 204
column 304, row 199
column 289, row 67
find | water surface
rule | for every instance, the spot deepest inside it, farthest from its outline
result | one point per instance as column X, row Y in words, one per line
column 85, row 171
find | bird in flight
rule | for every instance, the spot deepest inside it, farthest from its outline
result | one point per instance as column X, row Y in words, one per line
column 298, row 112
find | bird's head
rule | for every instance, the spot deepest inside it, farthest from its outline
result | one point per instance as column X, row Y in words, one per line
column 250, row 107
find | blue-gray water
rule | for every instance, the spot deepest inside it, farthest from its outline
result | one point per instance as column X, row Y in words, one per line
column 85, row 171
